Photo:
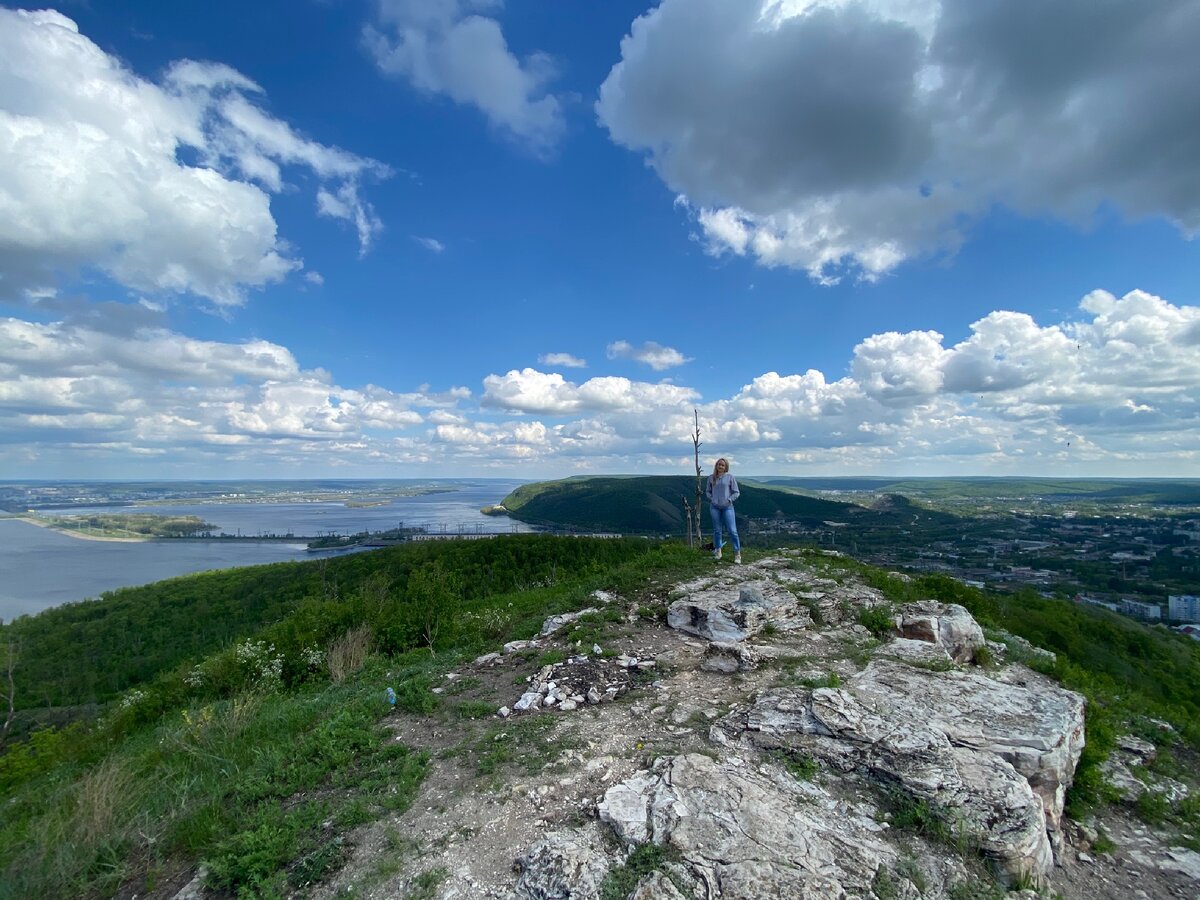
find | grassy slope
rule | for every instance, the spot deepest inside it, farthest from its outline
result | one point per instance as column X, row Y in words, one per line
column 653, row 504
column 257, row 773
column 131, row 635
column 255, row 762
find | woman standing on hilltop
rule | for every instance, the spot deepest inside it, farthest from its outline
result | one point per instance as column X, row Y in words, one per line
column 722, row 491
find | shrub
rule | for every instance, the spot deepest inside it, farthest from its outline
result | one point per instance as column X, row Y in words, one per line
column 879, row 620
column 348, row 653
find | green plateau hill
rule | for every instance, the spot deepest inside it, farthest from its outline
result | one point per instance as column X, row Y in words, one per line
column 653, row 504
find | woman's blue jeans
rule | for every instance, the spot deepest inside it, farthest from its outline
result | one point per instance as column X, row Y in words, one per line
column 724, row 520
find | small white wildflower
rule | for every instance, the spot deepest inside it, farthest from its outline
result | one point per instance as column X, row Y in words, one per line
column 312, row 657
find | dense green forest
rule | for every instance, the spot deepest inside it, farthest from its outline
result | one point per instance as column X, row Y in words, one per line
column 237, row 715
column 653, row 504
column 89, row 652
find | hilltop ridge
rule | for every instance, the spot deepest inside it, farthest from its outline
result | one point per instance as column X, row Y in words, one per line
column 653, row 504
column 625, row 719
column 758, row 740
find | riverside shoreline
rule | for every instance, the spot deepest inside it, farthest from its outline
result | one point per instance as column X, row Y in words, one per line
column 50, row 526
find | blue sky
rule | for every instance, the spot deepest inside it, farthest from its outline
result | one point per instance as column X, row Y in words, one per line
column 524, row 238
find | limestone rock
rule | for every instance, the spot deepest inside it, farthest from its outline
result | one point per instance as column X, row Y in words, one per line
column 1118, row 777
column 656, row 886
column 561, row 866
column 918, row 653
column 736, row 613
column 194, row 889
column 997, row 755
column 1144, row 751
column 554, row 623
column 948, row 625
column 529, row 700
column 517, row 646
column 729, row 657
column 749, row 833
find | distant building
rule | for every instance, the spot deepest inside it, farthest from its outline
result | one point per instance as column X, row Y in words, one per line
column 1150, row 612
column 1192, row 631
column 1184, row 607
column 1096, row 601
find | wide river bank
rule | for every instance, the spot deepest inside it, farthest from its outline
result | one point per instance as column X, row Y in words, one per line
column 41, row 568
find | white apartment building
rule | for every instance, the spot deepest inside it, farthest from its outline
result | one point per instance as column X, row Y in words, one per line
column 1184, row 607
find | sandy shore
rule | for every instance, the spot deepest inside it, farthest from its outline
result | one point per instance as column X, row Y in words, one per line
column 42, row 523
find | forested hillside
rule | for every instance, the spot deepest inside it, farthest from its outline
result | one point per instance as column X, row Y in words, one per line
column 653, row 504
column 89, row 652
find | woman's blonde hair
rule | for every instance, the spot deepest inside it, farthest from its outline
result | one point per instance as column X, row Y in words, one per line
column 718, row 463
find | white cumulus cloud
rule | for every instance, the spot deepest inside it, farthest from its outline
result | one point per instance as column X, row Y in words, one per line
column 654, row 355
column 449, row 47
column 842, row 136
column 1114, row 390
column 566, row 360
column 529, row 390
column 92, row 170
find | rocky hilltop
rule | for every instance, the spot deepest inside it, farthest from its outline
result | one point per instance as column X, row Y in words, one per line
column 767, row 731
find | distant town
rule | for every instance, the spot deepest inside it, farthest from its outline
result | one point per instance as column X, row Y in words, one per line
column 1137, row 558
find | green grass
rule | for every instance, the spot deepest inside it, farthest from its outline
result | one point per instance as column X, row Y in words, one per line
column 879, row 620
column 801, row 766
column 474, row 709
column 425, row 885
column 523, row 745
column 243, row 784
column 646, row 859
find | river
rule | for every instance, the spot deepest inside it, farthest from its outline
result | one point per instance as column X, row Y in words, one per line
column 41, row 568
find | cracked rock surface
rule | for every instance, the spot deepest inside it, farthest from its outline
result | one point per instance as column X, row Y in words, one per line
column 756, row 743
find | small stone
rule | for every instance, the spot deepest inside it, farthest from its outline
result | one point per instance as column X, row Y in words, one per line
column 596, row 651
column 1083, row 857
column 504, row 712
column 439, row 690
column 549, row 700
column 487, row 659
column 567, row 705
column 528, row 700
column 593, row 695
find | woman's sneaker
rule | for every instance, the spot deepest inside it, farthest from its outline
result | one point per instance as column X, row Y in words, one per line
column 737, row 558
column 717, row 553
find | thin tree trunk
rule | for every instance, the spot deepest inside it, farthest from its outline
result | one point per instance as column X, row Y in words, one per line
column 699, row 488
column 10, row 665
